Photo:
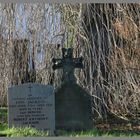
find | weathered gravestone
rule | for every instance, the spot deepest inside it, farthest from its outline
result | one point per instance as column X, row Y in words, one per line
column 32, row 105
column 72, row 103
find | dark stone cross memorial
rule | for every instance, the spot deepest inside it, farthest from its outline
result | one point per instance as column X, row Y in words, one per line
column 72, row 102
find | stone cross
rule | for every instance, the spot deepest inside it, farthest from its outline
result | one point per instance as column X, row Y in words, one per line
column 68, row 64
column 30, row 87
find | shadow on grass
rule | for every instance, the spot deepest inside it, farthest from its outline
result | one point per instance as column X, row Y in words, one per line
column 99, row 133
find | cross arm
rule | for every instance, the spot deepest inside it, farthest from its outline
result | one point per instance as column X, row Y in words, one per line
column 57, row 64
column 78, row 62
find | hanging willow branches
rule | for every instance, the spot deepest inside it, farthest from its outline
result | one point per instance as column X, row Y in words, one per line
column 106, row 35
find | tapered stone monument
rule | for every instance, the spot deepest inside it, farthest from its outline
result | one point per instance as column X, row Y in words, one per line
column 72, row 102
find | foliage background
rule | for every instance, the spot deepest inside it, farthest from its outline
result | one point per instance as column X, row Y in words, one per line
column 106, row 35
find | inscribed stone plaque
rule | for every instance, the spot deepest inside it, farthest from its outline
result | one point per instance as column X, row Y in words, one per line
column 32, row 105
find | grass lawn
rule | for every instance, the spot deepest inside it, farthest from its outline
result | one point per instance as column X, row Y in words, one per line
column 31, row 132
column 20, row 132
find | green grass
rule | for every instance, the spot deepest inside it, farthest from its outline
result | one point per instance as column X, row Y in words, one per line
column 31, row 132
column 3, row 111
column 3, row 127
column 3, row 114
column 98, row 133
column 20, row 132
